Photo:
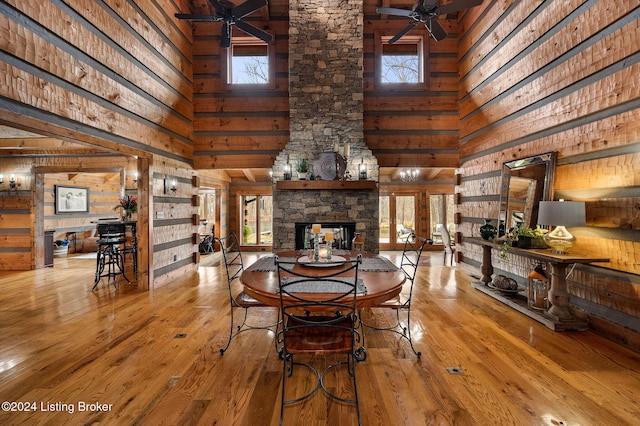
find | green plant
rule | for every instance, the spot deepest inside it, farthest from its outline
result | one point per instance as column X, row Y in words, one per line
column 302, row 166
column 511, row 238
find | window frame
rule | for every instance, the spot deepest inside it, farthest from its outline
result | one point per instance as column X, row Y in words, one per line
column 226, row 71
column 421, row 40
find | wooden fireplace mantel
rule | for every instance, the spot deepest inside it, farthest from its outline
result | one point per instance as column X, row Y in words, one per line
column 325, row 184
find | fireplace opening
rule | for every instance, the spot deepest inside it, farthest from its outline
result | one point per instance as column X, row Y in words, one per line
column 343, row 234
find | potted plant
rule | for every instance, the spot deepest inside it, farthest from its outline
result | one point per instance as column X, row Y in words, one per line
column 302, row 167
column 529, row 238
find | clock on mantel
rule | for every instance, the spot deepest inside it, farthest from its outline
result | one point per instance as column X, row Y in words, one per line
column 326, row 184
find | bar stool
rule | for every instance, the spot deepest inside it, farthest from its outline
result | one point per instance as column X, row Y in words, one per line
column 112, row 237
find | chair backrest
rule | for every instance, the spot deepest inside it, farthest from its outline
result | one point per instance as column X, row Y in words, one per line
column 230, row 248
column 319, row 300
column 112, row 232
column 446, row 238
column 413, row 247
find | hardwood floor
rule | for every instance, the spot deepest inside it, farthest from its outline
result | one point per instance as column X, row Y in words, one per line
column 63, row 347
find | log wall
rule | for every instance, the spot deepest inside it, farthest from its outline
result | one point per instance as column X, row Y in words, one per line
column 559, row 76
column 113, row 74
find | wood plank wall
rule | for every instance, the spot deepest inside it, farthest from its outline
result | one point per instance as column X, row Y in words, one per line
column 405, row 127
column 235, row 127
column 114, row 74
column 559, row 76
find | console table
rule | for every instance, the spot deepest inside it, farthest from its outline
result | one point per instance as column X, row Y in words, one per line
column 557, row 317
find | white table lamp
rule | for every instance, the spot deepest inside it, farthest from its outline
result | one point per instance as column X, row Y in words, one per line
column 561, row 214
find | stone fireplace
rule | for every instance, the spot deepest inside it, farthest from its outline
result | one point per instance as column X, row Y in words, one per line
column 326, row 110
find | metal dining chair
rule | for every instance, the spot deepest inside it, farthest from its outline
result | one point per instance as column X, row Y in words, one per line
column 319, row 318
column 411, row 253
column 449, row 246
column 234, row 265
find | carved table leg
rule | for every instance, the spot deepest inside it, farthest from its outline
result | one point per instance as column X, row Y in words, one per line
column 487, row 266
column 558, row 294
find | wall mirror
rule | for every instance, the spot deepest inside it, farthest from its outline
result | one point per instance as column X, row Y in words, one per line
column 525, row 183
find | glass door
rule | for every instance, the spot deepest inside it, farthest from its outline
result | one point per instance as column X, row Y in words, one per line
column 398, row 213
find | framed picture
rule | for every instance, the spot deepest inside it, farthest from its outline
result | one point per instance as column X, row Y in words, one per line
column 72, row 199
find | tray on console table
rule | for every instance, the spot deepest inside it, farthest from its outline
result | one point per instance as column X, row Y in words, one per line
column 558, row 317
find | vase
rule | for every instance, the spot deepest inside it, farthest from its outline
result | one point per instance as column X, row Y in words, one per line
column 488, row 231
column 127, row 214
column 501, row 228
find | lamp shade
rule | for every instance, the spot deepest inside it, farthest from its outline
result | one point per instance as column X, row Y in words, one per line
column 561, row 213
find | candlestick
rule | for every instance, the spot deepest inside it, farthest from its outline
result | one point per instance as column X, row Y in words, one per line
column 329, row 237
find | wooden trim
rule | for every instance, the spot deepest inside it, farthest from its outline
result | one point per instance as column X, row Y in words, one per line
column 325, row 184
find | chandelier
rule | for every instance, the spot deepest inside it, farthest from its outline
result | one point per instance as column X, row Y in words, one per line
column 409, row 175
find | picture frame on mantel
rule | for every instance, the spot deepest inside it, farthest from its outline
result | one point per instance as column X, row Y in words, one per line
column 71, row 199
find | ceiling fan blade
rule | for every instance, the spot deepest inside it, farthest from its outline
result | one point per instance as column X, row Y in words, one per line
column 435, row 29
column 455, row 6
column 248, row 7
column 403, row 32
column 254, row 31
column 192, row 17
column 219, row 8
column 225, row 35
column 395, row 12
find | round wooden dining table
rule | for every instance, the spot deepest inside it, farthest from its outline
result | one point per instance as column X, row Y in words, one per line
column 381, row 285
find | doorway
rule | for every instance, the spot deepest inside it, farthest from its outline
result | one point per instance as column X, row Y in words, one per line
column 398, row 213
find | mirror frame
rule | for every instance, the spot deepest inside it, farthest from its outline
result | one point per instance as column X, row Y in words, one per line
column 548, row 159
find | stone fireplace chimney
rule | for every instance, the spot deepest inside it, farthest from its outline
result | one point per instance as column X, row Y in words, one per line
column 326, row 110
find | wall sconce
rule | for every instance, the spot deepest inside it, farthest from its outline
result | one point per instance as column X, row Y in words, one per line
column 409, row 175
column 560, row 214
column 170, row 186
column 363, row 170
column 135, row 178
column 13, row 182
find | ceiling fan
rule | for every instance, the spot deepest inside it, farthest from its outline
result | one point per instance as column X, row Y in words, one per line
column 229, row 14
column 427, row 11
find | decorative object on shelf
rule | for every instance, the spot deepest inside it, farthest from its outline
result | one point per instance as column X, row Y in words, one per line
column 527, row 238
column 505, row 284
column 129, row 206
column 362, row 170
column 561, row 214
column 501, row 228
column 316, row 228
column 488, row 231
column 409, row 175
column 329, row 166
column 287, row 170
column 358, row 242
column 302, row 167
column 538, row 291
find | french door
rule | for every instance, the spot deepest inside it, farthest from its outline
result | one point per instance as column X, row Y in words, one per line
column 398, row 213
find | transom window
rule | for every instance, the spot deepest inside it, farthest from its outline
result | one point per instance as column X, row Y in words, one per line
column 403, row 63
column 249, row 63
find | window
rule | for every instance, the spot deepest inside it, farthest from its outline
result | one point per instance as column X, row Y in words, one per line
column 249, row 63
column 257, row 213
column 401, row 64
